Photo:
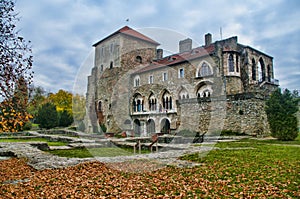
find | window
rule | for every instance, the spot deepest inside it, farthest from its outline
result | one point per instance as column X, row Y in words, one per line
column 167, row 101
column 253, row 70
column 111, row 65
column 102, row 52
column 99, row 106
column 237, row 63
column 165, row 76
column 137, row 81
column 151, row 79
column 101, row 68
column 205, row 70
column 152, row 103
column 111, row 48
column 138, row 59
column 181, row 73
column 231, row 63
column 138, row 103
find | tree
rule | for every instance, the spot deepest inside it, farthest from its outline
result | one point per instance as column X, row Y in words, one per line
column 47, row 116
column 36, row 100
column 65, row 118
column 62, row 99
column 15, row 70
column 281, row 109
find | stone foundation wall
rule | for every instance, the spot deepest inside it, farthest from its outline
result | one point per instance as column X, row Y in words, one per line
column 242, row 116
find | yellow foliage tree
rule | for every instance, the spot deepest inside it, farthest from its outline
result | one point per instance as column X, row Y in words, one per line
column 62, row 100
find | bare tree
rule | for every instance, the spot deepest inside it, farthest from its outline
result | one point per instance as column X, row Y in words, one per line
column 15, row 70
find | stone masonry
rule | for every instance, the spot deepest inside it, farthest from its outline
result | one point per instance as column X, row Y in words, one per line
column 221, row 85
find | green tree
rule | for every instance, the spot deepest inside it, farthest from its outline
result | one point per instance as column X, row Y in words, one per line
column 65, row 118
column 281, row 109
column 47, row 116
column 15, row 70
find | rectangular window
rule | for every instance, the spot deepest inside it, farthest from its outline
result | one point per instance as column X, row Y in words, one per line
column 102, row 52
column 151, row 79
column 181, row 73
column 165, row 76
column 237, row 63
column 111, row 48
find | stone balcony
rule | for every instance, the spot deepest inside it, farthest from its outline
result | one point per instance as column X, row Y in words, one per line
column 155, row 112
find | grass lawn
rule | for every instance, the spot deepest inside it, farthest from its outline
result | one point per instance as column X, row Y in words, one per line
column 94, row 152
column 50, row 143
column 260, row 168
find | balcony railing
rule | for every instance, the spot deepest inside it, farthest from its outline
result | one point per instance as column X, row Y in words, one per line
column 163, row 111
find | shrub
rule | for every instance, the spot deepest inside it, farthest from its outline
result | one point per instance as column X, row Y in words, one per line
column 27, row 126
column 65, row 118
column 47, row 116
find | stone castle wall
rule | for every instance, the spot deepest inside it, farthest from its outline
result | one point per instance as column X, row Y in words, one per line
column 245, row 116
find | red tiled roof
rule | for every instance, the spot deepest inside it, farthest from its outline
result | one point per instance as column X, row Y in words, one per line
column 180, row 57
column 130, row 32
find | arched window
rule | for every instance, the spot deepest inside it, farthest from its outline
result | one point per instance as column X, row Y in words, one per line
column 183, row 94
column 138, row 103
column 167, row 100
column 136, row 81
column 262, row 70
column 111, row 65
column 138, row 59
column 152, row 103
column 253, row 70
column 205, row 70
column 165, row 126
column 204, row 90
column 231, row 63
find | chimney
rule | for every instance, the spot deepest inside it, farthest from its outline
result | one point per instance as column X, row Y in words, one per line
column 185, row 45
column 159, row 54
column 208, row 39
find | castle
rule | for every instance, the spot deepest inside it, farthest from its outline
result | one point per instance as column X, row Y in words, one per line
column 221, row 85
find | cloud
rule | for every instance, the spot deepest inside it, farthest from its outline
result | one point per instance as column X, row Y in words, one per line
column 63, row 31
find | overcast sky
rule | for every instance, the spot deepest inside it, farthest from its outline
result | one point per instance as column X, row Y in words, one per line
column 63, row 31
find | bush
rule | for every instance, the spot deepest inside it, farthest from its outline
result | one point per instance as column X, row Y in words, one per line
column 65, row 118
column 27, row 126
column 281, row 109
column 47, row 116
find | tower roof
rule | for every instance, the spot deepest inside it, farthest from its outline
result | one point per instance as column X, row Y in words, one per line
column 129, row 32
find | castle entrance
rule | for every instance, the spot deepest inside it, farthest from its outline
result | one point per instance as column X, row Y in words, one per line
column 137, row 127
column 150, row 126
column 165, row 126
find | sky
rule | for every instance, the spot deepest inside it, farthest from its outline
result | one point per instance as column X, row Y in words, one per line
column 62, row 32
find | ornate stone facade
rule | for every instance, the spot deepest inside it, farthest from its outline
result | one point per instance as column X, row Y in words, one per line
column 221, row 85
